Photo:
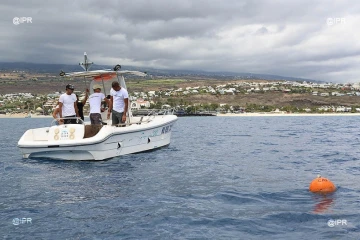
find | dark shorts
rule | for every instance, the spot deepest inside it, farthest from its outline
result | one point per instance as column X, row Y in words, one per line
column 116, row 117
column 70, row 121
column 95, row 118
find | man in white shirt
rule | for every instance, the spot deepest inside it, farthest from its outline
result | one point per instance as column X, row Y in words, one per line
column 67, row 106
column 95, row 100
column 119, row 103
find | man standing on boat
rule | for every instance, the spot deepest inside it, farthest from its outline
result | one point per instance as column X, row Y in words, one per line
column 119, row 103
column 81, row 104
column 67, row 106
column 95, row 100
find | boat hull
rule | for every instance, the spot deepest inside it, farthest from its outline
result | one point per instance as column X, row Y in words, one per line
column 108, row 143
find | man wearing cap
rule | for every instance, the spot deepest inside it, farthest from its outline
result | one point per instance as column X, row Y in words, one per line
column 119, row 103
column 95, row 100
column 67, row 106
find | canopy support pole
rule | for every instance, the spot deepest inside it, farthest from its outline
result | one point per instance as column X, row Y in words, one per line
column 85, row 83
column 102, row 80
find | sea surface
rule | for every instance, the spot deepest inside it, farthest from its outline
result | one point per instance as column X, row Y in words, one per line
column 220, row 178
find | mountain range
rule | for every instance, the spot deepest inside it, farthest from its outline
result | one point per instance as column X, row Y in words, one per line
column 56, row 68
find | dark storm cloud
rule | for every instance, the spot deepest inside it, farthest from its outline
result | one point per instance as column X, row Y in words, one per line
column 291, row 38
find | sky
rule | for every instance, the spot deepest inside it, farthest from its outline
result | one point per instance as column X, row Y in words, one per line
column 316, row 40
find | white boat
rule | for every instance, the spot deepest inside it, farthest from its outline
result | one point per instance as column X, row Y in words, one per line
column 98, row 142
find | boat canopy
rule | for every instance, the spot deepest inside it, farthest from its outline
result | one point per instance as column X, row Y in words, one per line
column 104, row 77
column 99, row 73
column 105, row 74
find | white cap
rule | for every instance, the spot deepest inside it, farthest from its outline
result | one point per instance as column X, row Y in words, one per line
column 96, row 86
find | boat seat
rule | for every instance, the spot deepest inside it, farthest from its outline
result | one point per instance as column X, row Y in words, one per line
column 40, row 134
column 92, row 130
column 66, row 132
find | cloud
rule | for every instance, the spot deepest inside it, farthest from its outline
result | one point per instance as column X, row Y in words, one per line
column 291, row 38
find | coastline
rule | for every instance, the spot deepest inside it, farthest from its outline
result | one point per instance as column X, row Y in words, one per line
column 266, row 114
column 258, row 114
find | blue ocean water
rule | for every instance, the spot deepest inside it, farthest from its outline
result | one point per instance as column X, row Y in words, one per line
column 220, row 178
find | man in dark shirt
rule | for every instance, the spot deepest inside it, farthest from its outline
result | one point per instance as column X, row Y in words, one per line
column 81, row 104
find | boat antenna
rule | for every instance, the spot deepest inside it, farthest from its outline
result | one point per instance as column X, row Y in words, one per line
column 86, row 65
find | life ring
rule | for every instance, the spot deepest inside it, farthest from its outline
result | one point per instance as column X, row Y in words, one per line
column 56, row 131
column 72, row 130
column 72, row 136
column 56, row 137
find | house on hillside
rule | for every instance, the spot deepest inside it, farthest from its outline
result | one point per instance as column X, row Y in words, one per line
column 139, row 103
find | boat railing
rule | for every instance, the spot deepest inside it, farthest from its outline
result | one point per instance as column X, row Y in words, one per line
column 149, row 117
column 168, row 111
column 148, row 112
column 137, row 122
column 56, row 121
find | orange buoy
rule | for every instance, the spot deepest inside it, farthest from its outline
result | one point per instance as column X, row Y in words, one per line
column 321, row 185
